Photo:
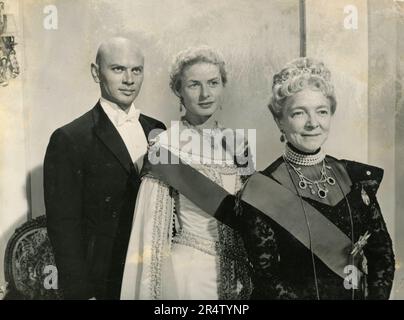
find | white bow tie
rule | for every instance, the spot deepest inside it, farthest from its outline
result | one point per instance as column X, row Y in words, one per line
column 131, row 117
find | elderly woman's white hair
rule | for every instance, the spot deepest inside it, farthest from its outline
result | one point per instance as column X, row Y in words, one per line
column 297, row 75
column 191, row 56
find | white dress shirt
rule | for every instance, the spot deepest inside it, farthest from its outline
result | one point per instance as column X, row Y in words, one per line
column 129, row 128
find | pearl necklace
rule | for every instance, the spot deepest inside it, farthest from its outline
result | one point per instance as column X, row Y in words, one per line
column 319, row 186
column 303, row 159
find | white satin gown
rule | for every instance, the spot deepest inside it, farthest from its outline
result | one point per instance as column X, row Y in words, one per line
column 178, row 251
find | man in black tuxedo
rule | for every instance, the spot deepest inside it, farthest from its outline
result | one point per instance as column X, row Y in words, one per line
column 91, row 178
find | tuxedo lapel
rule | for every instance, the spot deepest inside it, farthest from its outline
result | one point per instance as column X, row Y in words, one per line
column 107, row 133
column 146, row 125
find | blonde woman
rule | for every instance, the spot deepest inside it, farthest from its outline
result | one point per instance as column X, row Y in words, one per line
column 177, row 251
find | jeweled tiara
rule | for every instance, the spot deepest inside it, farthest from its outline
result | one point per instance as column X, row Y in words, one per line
column 302, row 67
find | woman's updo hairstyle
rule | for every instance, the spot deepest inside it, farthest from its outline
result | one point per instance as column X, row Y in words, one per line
column 191, row 56
column 297, row 75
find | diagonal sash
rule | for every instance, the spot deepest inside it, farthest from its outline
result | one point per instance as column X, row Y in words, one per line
column 324, row 234
column 270, row 198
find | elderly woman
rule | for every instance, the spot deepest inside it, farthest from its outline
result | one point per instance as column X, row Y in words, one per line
column 316, row 205
column 176, row 250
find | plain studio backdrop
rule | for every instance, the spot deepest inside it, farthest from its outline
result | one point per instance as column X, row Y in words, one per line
column 256, row 38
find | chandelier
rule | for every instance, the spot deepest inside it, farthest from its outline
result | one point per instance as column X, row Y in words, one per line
column 9, row 67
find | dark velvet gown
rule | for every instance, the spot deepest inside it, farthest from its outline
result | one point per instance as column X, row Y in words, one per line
column 283, row 268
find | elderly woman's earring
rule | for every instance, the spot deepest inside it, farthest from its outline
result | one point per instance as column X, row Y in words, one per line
column 282, row 138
